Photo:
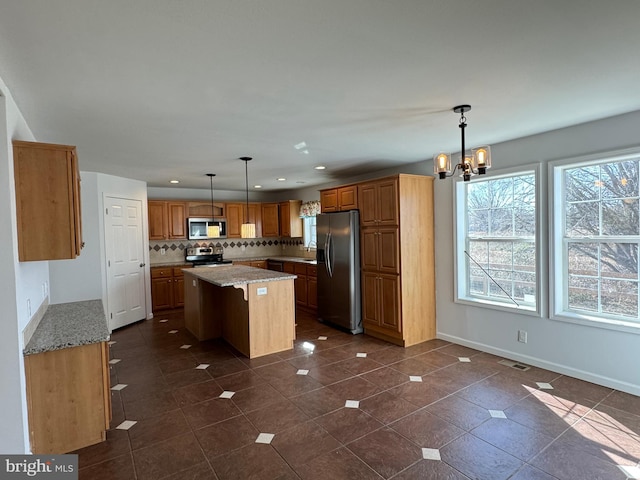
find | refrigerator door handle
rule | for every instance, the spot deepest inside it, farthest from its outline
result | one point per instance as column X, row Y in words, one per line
column 329, row 259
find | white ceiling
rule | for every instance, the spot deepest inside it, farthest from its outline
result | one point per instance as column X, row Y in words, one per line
column 161, row 89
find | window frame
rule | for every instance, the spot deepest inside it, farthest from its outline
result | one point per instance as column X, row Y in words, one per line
column 558, row 278
column 460, row 225
column 307, row 228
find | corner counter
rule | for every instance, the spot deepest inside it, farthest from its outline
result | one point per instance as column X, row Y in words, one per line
column 68, row 379
column 251, row 308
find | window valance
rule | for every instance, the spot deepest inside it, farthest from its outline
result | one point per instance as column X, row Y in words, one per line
column 310, row 209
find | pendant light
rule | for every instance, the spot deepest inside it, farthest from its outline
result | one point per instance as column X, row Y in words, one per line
column 248, row 230
column 470, row 163
column 213, row 229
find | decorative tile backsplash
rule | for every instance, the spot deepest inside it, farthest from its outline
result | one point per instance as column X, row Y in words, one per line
column 233, row 248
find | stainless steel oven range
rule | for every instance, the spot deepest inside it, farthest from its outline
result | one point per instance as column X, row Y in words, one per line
column 199, row 256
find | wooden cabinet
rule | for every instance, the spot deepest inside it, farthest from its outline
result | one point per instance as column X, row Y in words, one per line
column 378, row 202
column 203, row 209
column 397, row 258
column 167, row 220
column 236, row 217
column 68, row 398
column 339, row 199
column 167, row 287
column 252, row 263
column 290, row 221
column 305, row 285
column 270, row 220
column 47, row 181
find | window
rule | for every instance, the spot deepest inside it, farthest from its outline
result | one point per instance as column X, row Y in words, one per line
column 596, row 239
column 497, row 241
column 309, row 234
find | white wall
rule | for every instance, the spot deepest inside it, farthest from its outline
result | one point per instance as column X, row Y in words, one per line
column 595, row 354
column 80, row 278
column 19, row 283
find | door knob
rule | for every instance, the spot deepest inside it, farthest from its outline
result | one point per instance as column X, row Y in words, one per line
column 142, row 265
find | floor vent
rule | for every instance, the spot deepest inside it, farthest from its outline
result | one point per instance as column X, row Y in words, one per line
column 517, row 366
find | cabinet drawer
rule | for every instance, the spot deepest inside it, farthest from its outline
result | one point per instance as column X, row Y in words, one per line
column 177, row 271
column 289, row 267
column 312, row 270
column 300, row 269
column 161, row 272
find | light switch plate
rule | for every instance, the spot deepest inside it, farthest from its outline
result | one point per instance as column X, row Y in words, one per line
column 262, row 291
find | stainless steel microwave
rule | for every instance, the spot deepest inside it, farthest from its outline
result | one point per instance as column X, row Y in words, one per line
column 204, row 228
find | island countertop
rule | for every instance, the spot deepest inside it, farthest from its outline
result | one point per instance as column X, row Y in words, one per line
column 67, row 325
column 230, row 275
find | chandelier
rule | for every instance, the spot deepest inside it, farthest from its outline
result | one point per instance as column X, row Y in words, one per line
column 474, row 162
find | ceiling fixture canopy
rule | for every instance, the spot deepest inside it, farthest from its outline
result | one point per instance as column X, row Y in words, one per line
column 248, row 230
column 213, row 229
column 474, row 162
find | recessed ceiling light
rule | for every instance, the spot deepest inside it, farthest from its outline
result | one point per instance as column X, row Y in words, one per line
column 257, row 186
column 174, row 181
column 300, row 146
column 320, row 167
column 281, row 179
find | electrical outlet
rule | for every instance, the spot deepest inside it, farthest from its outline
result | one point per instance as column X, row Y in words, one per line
column 28, row 307
column 522, row 336
column 163, row 251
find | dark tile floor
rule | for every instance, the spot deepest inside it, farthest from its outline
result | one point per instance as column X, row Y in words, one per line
column 431, row 411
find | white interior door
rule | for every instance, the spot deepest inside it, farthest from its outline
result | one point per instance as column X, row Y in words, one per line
column 125, row 261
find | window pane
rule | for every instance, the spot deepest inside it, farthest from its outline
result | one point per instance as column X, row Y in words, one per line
column 501, row 193
column 619, row 260
column 619, row 179
column 501, row 222
column 583, row 259
column 478, row 195
column 478, row 222
column 524, row 222
column 620, row 217
column 582, row 184
column 620, row 297
column 583, row 293
column 583, row 219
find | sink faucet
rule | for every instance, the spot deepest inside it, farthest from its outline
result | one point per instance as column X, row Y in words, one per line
column 309, row 245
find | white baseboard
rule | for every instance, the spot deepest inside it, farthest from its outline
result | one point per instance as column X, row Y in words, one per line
column 541, row 363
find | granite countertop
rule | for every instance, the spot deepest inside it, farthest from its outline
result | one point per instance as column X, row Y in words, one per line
column 230, row 275
column 310, row 261
column 69, row 325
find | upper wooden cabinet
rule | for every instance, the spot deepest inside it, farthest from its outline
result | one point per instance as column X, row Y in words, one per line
column 204, row 210
column 339, row 199
column 378, row 202
column 270, row 220
column 290, row 221
column 48, row 211
column 167, row 220
column 236, row 215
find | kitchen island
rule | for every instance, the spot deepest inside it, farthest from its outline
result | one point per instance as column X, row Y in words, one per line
column 251, row 308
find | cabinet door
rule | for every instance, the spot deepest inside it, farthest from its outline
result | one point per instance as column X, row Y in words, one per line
column 300, row 285
column 177, row 221
column 161, row 293
column 367, row 200
column 203, row 209
column 370, row 299
column 388, row 250
column 178, row 292
column 387, row 199
column 369, row 248
column 259, row 264
column 312, row 292
column 389, row 296
column 348, row 197
column 47, row 192
column 285, row 216
column 270, row 222
column 157, row 211
column 234, row 213
column 329, row 200
column 255, row 217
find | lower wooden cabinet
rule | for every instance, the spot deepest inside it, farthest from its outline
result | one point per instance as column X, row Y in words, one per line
column 252, row 263
column 68, row 398
column 306, row 284
column 167, row 287
column 381, row 305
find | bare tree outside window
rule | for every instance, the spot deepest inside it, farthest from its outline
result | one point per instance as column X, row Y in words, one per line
column 601, row 236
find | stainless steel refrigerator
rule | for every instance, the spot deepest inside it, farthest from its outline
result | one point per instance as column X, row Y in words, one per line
column 338, row 256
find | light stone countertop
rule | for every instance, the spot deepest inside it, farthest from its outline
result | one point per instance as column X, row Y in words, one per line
column 281, row 258
column 69, row 325
column 230, row 275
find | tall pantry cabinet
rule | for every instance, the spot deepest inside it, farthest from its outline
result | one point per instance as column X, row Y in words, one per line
column 397, row 258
